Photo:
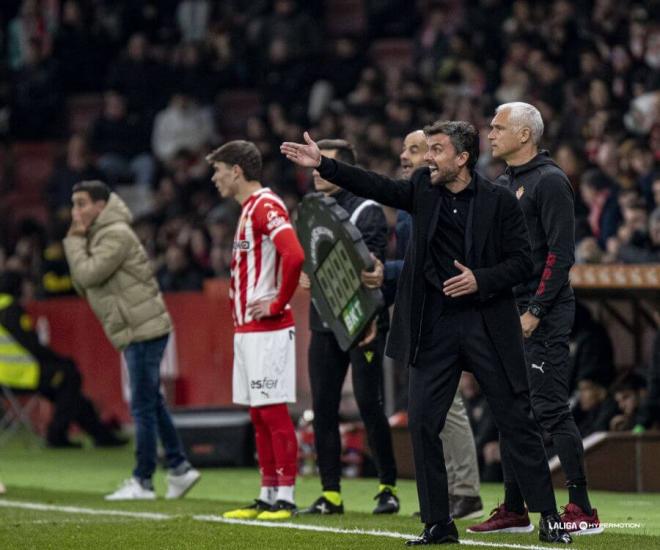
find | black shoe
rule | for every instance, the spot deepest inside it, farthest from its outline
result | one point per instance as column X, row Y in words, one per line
column 323, row 506
column 388, row 502
column 466, row 507
column 436, row 534
column 551, row 529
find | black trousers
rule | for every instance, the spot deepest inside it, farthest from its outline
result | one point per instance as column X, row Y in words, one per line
column 60, row 382
column 547, row 355
column 328, row 365
column 450, row 343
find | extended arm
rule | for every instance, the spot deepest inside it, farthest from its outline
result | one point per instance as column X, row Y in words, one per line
column 364, row 183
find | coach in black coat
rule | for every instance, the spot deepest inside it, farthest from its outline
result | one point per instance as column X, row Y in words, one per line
column 497, row 244
column 455, row 311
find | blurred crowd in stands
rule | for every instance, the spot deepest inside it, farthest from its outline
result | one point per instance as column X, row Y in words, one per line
column 368, row 71
column 369, row 74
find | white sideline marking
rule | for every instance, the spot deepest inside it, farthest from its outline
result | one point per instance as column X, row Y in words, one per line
column 369, row 532
column 269, row 524
column 78, row 521
column 75, row 510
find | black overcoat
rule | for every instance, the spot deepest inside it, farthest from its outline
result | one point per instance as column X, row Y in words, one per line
column 497, row 251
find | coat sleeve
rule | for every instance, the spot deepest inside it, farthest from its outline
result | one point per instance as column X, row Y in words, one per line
column 93, row 268
column 516, row 265
column 556, row 204
column 367, row 184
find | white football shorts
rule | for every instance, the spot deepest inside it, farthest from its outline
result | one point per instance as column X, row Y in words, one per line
column 264, row 367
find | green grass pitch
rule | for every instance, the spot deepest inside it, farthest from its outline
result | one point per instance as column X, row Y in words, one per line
column 54, row 501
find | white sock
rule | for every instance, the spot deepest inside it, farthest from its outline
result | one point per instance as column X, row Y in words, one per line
column 285, row 492
column 268, row 494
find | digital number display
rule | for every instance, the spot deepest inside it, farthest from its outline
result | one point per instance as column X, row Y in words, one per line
column 337, row 278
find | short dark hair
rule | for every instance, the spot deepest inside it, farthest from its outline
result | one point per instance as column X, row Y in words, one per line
column 463, row 136
column 628, row 381
column 345, row 150
column 638, row 204
column 98, row 191
column 596, row 179
column 240, row 153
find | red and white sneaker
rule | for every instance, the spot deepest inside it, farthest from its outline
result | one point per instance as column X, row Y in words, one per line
column 576, row 522
column 503, row 521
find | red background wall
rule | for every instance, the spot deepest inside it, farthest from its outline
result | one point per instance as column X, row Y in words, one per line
column 204, row 336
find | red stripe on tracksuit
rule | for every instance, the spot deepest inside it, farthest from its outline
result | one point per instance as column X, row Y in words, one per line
column 547, row 273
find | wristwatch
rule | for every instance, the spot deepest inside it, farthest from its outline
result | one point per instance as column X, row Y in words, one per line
column 536, row 310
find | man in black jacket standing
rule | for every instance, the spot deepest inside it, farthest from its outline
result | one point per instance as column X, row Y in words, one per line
column 328, row 364
column 455, row 310
column 547, row 307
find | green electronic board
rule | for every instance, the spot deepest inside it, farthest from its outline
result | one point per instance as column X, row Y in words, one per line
column 335, row 255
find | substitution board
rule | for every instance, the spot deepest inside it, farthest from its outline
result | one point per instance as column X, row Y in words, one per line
column 335, row 255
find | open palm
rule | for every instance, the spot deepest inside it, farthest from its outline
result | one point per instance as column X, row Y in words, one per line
column 305, row 154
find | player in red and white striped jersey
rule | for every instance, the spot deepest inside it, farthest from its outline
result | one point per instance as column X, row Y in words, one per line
column 257, row 268
column 266, row 263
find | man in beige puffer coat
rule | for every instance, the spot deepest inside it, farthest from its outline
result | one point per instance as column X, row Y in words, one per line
column 110, row 268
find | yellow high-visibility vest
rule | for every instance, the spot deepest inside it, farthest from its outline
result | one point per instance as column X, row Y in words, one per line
column 18, row 369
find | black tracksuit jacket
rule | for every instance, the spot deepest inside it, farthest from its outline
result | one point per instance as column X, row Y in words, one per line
column 546, row 198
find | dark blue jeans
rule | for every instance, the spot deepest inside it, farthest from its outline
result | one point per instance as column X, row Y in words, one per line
column 150, row 414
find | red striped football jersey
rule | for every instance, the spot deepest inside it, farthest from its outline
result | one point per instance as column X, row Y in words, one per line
column 256, row 272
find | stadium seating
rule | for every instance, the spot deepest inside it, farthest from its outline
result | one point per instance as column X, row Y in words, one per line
column 235, row 107
column 33, row 164
column 344, row 17
column 19, row 206
column 82, row 111
column 392, row 53
column 633, row 459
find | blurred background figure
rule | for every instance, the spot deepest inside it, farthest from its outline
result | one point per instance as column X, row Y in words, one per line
column 121, row 142
column 179, row 273
column 628, row 392
column 596, row 407
column 76, row 165
column 55, row 377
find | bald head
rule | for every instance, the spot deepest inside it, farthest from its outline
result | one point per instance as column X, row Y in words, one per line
column 414, row 149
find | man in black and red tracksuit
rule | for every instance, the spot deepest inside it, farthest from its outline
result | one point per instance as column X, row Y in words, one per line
column 547, row 307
